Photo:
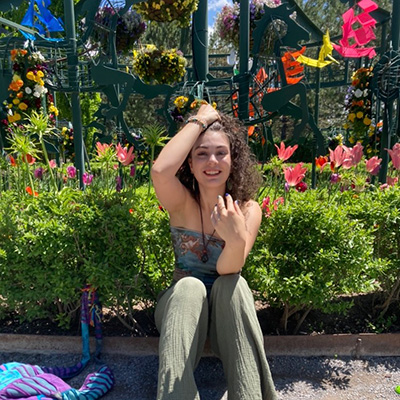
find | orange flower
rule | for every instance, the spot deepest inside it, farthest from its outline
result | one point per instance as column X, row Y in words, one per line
column 31, row 192
column 14, row 53
column 250, row 130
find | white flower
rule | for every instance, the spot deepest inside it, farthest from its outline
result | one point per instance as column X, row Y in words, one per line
column 36, row 94
column 28, row 90
column 358, row 93
column 40, row 89
column 366, row 92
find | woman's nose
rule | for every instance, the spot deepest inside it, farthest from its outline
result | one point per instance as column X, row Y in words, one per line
column 212, row 158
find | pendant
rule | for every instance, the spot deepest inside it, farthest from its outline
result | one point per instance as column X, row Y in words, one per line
column 204, row 257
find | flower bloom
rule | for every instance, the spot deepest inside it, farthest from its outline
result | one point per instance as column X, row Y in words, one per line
column 38, row 173
column 285, row 153
column 391, row 181
column 87, row 178
column 52, row 163
column 102, row 148
column 301, row 187
column 395, row 155
column 31, row 192
column 71, row 172
column 352, row 156
column 133, row 171
column 295, row 175
column 320, row 162
column 118, row 183
column 125, row 156
column 373, row 165
column 337, row 156
column 29, row 159
column 275, row 204
column 335, row 178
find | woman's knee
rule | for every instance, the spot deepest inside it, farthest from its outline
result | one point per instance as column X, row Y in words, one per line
column 230, row 288
column 190, row 287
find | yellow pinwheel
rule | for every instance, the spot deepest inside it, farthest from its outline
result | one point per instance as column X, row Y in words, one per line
column 325, row 55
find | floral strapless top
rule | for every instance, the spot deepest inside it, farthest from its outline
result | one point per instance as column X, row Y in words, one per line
column 188, row 248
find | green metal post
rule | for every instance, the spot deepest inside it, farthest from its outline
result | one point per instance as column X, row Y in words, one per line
column 200, row 41
column 244, row 53
column 395, row 43
column 388, row 110
column 72, row 60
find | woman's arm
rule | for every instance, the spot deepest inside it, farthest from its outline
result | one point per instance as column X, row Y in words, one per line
column 238, row 230
column 169, row 190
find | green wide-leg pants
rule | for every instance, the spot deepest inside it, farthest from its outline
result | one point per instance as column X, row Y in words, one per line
column 184, row 316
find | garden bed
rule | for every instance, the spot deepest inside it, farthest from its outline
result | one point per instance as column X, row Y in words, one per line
column 359, row 319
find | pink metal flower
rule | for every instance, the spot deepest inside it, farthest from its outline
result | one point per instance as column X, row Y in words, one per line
column 125, row 156
column 395, row 155
column 373, row 165
column 285, row 153
column 293, row 176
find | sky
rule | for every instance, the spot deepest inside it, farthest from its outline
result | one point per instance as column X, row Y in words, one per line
column 214, row 6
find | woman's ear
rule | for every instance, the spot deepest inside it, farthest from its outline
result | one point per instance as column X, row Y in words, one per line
column 190, row 164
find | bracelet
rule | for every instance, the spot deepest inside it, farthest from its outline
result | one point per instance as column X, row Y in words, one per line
column 197, row 121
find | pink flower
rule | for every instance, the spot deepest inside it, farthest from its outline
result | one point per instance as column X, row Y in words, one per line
column 337, row 156
column 71, row 172
column 285, row 153
column 52, row 163
column 87, row 178
column 391, row 181
column 395, row 155
column 265, row 206
column 279, row 200
column 353, row 156
column 373, row 165
column 293, row 176
column 125, row 156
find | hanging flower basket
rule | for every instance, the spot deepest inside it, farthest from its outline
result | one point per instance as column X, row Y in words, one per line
column 227, row 24
column 129, row 29
column 168, row 10
column 27, row 90
column 159, row 66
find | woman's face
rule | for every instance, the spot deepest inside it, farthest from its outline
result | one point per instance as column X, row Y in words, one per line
column 210, row 159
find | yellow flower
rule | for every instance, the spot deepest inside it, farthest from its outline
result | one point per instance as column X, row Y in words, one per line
column 16, row 101
column 346, row 126
column 22, row 106
column 351, row 139
column 360, row 114
column 180, row 101
column 40, row 74
column 351, row 117
column 367, row 121
column 31, row 76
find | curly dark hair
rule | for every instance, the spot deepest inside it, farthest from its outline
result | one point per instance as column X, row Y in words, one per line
column 244, row 179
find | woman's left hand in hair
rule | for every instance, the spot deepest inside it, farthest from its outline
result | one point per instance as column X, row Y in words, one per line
column 228, row 220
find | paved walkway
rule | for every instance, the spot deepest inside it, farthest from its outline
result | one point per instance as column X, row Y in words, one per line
column 296, row 378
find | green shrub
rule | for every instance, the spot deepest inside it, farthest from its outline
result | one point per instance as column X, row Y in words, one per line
column 55, row 244
column 309, row 252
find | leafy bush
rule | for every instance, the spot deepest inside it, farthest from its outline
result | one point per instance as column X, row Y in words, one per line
column 308, row 253
column 54, row 244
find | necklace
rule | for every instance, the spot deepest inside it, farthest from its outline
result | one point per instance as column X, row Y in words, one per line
column 204, row 257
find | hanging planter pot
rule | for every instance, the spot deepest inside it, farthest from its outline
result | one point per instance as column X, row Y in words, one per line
column 168, row 10
column 159, row 66
column 129, row 29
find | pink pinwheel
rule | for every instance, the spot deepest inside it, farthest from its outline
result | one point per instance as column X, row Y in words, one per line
column 285, row 153
column 337, row 156
column 125, row 156
column 353, row 156
column 373, row 165
column 293, row 176
column 395, row 155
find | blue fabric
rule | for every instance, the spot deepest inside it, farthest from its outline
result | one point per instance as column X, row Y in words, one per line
column 189, row 248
